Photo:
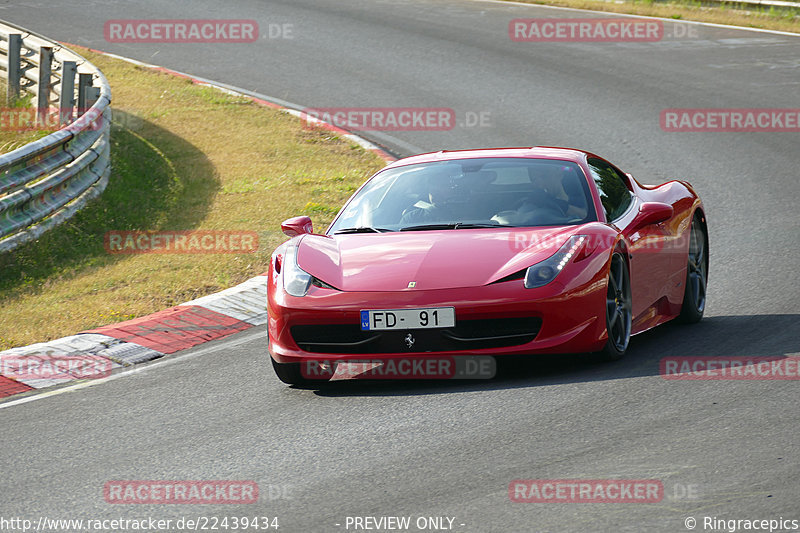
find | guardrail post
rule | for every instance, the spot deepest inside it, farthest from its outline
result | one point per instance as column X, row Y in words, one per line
column 84, row 88
column 14, row 47
column 66, row 103
column 92, row 95
column 43, row 89
column 47, row 181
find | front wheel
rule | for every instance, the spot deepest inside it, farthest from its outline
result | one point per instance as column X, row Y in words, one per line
column 694, row 295
column 618, row 309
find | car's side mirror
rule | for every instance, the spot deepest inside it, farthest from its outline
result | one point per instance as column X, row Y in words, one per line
column 297, row 226
column 652, row 213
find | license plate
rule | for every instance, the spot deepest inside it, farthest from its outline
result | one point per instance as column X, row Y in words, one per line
column 432, row 317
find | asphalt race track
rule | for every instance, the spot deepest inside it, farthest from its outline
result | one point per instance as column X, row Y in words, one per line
column 724, row 449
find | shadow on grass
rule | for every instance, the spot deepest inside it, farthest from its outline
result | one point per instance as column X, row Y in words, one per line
column 158, row 181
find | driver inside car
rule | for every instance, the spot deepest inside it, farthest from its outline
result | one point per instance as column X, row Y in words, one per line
column 555, row 193
column 555, row 196
column 441, row 190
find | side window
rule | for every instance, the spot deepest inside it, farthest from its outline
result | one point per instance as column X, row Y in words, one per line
column 614, row 193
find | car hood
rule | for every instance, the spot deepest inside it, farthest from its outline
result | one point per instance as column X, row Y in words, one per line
column 444, row 259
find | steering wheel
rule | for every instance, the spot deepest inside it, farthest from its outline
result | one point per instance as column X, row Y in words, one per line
column 551, row 203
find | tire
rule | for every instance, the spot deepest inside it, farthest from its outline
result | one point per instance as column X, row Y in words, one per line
column 694, row 294
column 618, row 309
column 289, row 373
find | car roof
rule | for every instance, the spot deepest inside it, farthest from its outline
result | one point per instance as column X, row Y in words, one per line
column 535, row 152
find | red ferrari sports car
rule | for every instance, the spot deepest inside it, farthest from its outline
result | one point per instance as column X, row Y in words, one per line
column 487, row 252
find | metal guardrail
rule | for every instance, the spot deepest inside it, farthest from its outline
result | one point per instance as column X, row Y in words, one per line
column 44, row 183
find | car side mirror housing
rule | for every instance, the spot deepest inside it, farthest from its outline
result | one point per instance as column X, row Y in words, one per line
column 297, row 226
column 652, row 213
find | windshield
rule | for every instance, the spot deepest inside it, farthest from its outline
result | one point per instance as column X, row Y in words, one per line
column 470, row 193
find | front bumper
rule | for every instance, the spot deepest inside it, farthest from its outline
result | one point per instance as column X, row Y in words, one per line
column 565, row 316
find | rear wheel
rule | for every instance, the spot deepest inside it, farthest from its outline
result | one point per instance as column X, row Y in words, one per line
column 618, row 309
column 694, row 295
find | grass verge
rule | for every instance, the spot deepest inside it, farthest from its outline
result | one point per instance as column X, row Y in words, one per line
column 12, row 136
column 184, row 157
column 733, row 14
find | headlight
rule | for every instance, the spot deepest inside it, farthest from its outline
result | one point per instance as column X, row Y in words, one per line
column 296, row 281
column 546, row 271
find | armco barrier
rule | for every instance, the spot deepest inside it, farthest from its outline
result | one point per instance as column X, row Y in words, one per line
column 47, row 181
